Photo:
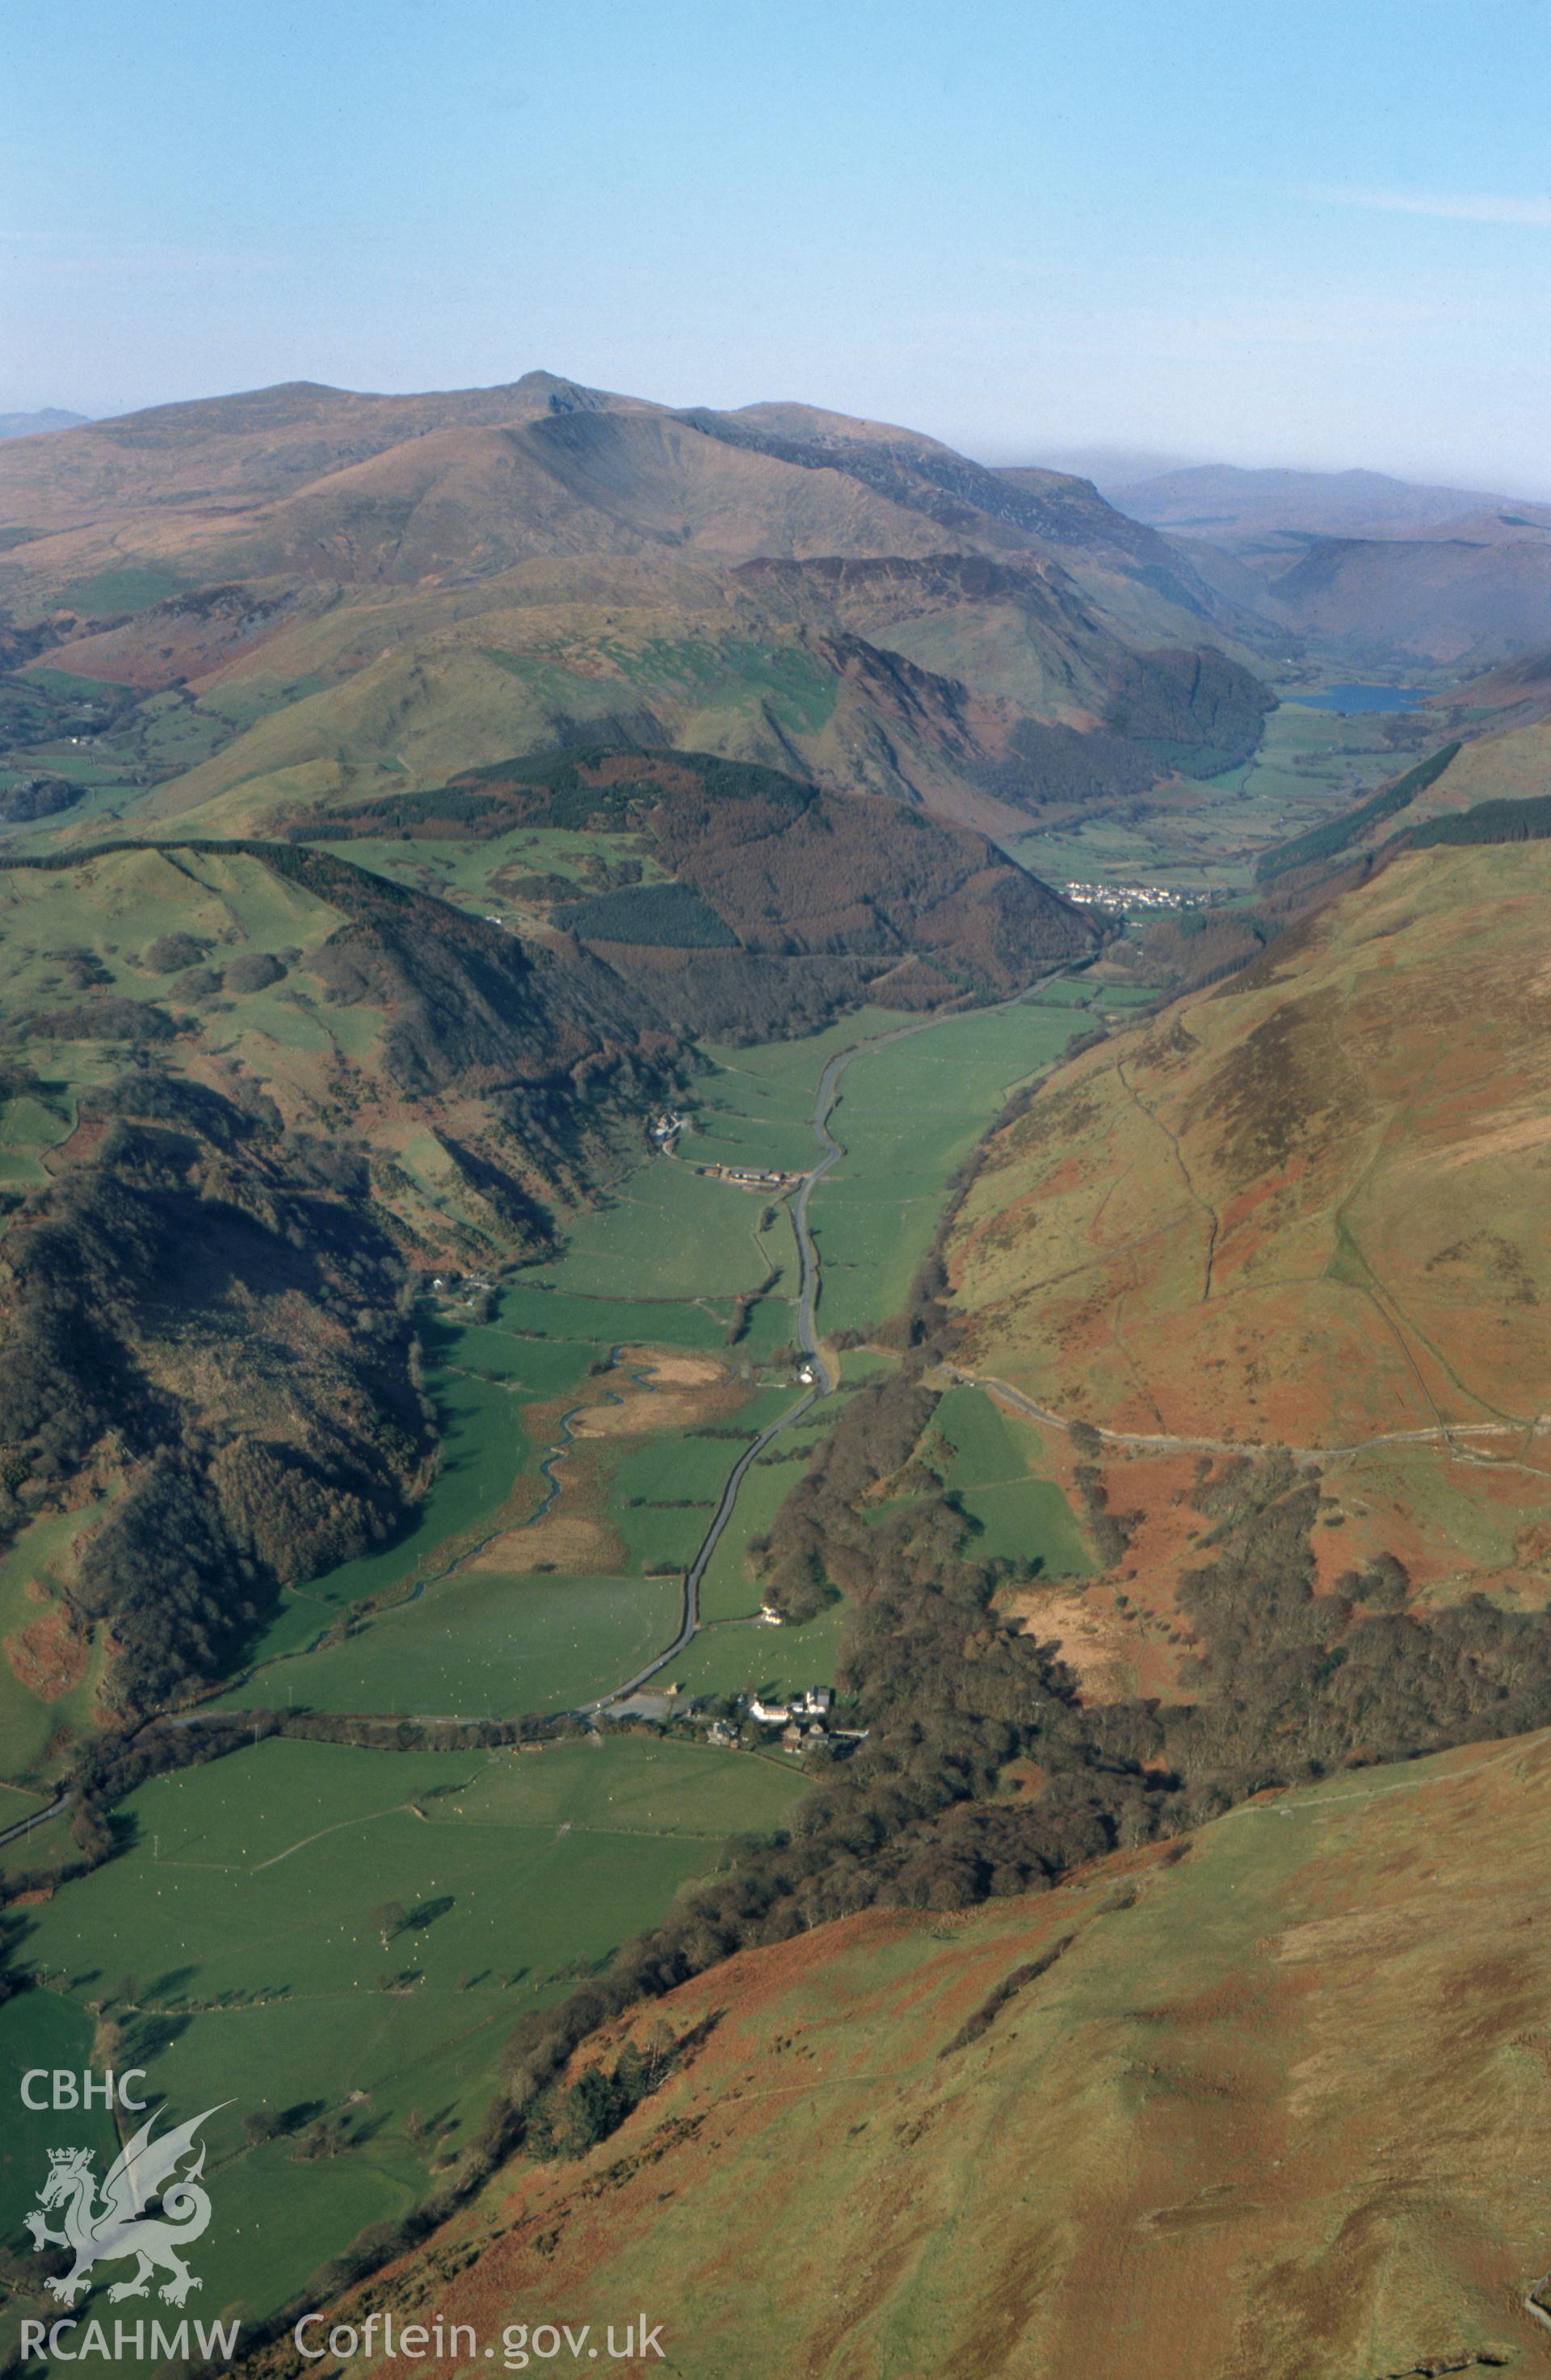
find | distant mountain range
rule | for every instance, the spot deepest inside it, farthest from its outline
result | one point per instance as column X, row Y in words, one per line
column 1227, row 502
column 29, row 425
column 1224, row 504
column 1110, row 468
column 1362, row 566
column 1359, row 568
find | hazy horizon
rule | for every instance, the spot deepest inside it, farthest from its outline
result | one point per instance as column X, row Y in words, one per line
column 1070, row 454
column 1300, row 242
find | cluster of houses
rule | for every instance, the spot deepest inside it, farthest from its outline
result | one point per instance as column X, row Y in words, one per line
column 806, row 1720
column 750, row 1177
column 802, row 1721
column 1129, row 896
column 817, row 1703
column 666, row 1129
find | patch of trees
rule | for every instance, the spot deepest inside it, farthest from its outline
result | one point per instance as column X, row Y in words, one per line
column 1191, row 709
column 200, row 1247
column 169, row 954
column 1294, row 1683
column 1062, row 764
column 37, row 797
column 569, row 2119
column 1494, row 821
column 471, row 817
column 109, row 1019
column 251, row 971
column 1111, row 1532
column 1192, row 949
column 991, row 2008
column 812, row 876
column 669, row 917
column 742, row 996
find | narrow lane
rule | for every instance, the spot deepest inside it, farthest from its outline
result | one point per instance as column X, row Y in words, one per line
column 809, row 1278
column 25, row 1825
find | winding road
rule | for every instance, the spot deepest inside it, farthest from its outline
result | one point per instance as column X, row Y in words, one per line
column 831, row 1151
column 808, row 1274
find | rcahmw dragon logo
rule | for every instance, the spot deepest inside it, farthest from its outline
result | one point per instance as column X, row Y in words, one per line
column 119, row 2225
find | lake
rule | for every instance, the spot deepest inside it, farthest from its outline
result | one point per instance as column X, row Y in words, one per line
column 1351, row 699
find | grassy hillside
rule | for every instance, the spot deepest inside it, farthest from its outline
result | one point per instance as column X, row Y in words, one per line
column 1298, row 1209
column 1232, row 2107
column 391, row 588
column 1459, row 602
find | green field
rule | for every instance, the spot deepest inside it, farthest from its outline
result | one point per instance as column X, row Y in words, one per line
column 464, row 870
column 1310, row 766
column 482, row 1644
column 133, row 588
column 237, row 1949
column 906, row 1116
column 729, row 1590
column 735, row 1659
column 603, row 1322
column 245, row 1921
column 667, row 1234
column 1019, row 1517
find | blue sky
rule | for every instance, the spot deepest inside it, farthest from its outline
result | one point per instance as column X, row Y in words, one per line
column 1298, row 232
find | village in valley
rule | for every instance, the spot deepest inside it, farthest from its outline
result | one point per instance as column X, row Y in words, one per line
column 1090, row 895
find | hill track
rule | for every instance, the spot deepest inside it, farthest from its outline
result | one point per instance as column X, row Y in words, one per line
column 1165, row 1443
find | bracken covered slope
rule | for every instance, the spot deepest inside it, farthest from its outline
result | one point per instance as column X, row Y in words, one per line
column 1301, row 1206
column 1264, row 2107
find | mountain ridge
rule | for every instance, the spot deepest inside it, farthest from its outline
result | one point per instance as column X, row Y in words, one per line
column 359, row 573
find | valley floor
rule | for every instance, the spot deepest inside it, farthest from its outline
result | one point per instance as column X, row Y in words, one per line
column 343, row 1939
